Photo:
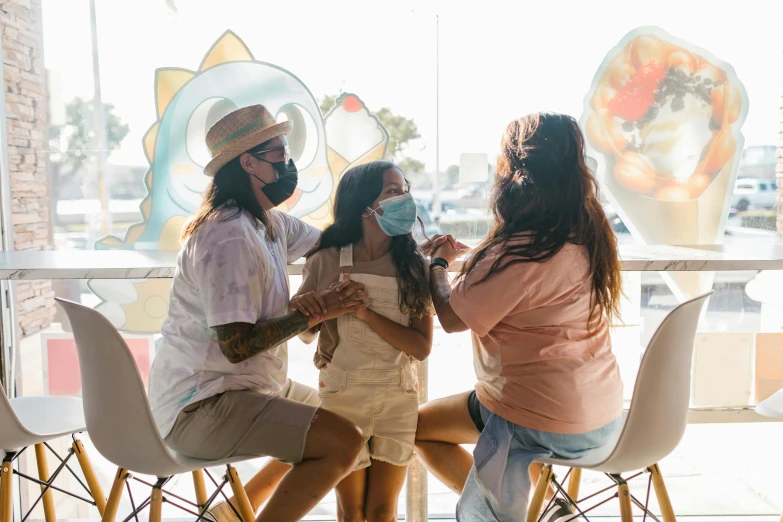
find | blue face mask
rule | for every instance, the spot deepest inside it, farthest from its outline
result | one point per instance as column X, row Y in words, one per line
column 399, row 215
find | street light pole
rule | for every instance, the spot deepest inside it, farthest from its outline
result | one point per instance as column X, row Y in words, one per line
column 100, row 127
column 416, row 491
column 436, row 181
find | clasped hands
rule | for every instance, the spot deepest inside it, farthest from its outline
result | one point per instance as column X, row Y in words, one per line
column 444, row 247
column 339, row 299
column 351, row 296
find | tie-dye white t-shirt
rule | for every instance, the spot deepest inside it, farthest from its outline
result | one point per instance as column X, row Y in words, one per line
column 227, row 272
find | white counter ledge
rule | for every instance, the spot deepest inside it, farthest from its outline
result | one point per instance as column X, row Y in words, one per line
column 87, row 264
column 129, row 264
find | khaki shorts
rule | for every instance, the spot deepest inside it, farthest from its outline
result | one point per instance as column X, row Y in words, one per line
column 247, row 422
column 384, row 404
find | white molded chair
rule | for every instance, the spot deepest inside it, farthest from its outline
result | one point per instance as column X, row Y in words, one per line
column 35, row 421
column 121, row 426
column 655, row 422
column 772, row 406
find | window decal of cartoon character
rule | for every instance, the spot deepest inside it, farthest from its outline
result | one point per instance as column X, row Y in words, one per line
column 664, row 120
column 187, row 104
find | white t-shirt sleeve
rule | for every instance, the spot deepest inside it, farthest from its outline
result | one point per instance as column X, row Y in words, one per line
column 300, row 237
column 228, row 277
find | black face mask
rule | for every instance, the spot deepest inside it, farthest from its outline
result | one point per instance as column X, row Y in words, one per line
column 287, row 179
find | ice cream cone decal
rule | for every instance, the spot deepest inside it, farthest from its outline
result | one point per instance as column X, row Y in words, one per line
column 354, row 136
column 663, row 118
column 366, row 140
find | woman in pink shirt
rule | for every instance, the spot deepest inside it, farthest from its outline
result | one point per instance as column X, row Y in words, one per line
column 537, row 295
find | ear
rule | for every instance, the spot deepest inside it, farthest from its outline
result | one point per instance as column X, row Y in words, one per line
column 248, row 163
column 367, row 212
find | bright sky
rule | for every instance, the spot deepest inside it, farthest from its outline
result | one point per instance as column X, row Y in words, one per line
column 498, row 59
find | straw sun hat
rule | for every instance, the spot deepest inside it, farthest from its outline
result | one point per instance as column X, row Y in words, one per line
column 240, row 131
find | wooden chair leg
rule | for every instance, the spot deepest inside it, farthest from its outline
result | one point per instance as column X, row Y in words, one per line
column 667, row 512
column 200, row 487
column 240, row 495
column 7, row 489
column 626, row 515
column 537, row 501
column 43, row 475
column 156, row 503
column 89, row 475
column 574, row 482
column 117, row 487
column 535, row 473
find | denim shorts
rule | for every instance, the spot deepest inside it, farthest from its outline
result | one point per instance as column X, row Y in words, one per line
column 498, row 485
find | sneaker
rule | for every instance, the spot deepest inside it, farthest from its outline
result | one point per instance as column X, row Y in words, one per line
column 560, row 511
column 222, row 512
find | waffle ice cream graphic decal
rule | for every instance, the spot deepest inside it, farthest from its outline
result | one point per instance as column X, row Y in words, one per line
column 187, row 104
column 663, row 118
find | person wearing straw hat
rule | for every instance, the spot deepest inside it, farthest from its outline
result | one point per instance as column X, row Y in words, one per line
column 218, row 386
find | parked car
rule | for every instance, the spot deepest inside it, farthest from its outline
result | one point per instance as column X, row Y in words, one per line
column 614, row 220
column 450, row 207
column 754, row 193
column 734, row 220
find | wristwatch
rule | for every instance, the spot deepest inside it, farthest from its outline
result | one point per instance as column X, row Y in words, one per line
column 439, row 261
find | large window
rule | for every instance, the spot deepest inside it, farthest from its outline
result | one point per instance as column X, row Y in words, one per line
column 442, row 79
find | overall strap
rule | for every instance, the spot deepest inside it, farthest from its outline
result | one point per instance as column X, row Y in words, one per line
column 346, row 261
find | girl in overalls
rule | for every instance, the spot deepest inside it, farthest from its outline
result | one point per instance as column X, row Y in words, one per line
column 367, row 359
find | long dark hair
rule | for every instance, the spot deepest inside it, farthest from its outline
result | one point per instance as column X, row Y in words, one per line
column 357, row 190
column 545, row 194
column 231, row 188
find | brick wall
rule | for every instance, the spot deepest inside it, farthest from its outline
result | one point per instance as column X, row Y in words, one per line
column 26, row 117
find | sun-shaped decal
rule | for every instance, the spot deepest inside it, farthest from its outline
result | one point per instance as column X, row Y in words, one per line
column 187, row 104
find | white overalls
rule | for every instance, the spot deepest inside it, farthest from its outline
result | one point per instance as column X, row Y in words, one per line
column 370, row 382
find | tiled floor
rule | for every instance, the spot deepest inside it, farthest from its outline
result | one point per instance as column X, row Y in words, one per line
column 444, row 519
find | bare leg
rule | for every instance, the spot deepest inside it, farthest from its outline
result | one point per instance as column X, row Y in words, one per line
column 384, row 484
column 444, row 424
column 332, row 447
column 350, row 497
column 263, row 484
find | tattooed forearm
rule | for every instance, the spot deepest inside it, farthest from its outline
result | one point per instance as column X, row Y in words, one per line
column 241, row 341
